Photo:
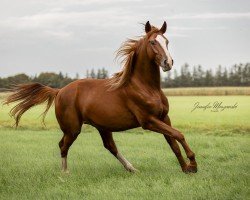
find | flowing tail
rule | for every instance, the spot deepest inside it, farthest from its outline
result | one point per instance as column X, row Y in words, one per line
column 29, row 95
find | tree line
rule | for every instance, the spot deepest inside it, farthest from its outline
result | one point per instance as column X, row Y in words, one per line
column 100, row 74
column 237, row 75
column 55, row 80
column 196, row 76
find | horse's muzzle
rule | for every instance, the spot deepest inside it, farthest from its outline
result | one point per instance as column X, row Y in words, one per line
column 165, row 65
column 167, row 68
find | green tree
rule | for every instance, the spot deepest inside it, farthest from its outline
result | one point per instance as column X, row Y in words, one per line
column 195, row 77
column 77, row 76
column 201, row 74
column 18, row 79
column 104, row 73
column 186, row 76
column 218, row 76
column 208, row 79
column 99, row 74
column 92, row 74
column 225, row 77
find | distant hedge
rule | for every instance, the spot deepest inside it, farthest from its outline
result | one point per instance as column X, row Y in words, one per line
column 237, row 75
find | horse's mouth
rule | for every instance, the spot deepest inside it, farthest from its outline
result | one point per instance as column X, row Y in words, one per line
column 166, row 68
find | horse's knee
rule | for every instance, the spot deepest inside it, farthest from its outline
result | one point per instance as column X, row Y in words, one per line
column 180, row 137
column 146, row 125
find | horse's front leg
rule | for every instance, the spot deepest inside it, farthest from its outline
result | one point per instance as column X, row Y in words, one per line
column 171, row 135
column 174, row 146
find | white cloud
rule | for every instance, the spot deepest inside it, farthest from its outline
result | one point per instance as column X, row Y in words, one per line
column 229, row 15
column 177, row 35
column 63, row 24
column 59, row 34
column 71, row 32
column 60, row 19
column 183, row 28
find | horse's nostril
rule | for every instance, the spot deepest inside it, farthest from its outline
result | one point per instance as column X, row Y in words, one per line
column 165, row 62
column 172, row 62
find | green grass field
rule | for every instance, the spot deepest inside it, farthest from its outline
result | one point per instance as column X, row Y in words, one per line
column 30, row 158
column 207, row 91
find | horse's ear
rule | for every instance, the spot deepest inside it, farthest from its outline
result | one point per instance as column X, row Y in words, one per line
column 163, row 28
column 147, row 27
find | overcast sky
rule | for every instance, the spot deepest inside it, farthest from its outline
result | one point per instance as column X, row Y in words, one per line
column 73, row 35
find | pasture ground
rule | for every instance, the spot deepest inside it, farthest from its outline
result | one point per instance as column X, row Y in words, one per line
column 30, row 160
column 207, row 91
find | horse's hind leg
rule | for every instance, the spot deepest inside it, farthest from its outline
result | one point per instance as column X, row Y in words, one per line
column 68, row 140
column 109, row 144
column 71, row 127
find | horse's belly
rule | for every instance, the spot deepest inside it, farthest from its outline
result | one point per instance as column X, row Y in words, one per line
column 110, row 116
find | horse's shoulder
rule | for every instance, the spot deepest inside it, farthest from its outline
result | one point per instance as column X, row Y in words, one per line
column 164, row 98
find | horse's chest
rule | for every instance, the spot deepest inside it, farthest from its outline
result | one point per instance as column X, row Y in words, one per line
column 154, row 106
column 145, row 104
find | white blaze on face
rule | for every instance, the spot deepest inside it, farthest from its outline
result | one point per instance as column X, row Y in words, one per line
column 163, row 44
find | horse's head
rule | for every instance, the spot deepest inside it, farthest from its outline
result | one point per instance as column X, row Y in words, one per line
column 157, row 46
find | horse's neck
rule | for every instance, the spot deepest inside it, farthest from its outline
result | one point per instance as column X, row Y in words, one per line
column 146, row 72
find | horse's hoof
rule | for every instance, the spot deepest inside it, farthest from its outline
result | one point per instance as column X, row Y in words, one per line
column 190, row 169
column 65, row 172
column 131, row 169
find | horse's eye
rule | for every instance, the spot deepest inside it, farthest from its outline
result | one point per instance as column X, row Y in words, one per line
column 152, row 42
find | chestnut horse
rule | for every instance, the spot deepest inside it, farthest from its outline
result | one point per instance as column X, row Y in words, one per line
column 131, row 98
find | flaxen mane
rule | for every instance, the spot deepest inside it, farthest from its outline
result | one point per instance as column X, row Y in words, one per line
column 127, row 52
